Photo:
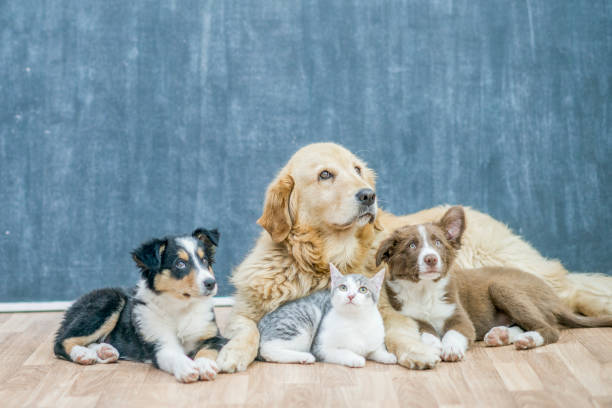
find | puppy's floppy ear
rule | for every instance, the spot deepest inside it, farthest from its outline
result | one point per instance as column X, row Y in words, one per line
column 276, row 218
column 210, row 239
column 148, row 256
column 385, row 251
column 453, row 224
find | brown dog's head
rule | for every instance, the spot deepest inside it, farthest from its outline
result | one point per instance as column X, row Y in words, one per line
column 322, row 186
column 423, row 252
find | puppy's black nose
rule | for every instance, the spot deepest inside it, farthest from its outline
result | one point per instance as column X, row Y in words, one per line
column 366, row 196
column 210, row 284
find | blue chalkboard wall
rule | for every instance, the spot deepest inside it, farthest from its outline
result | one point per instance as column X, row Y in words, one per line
column 125, row 120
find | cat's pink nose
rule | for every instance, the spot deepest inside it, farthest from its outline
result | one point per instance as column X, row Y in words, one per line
column 351, row 297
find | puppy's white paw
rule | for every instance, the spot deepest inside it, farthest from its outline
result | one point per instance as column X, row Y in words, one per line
column 454, row 346
column 432, row 341
column 423, row 357
column 528, row 340
column 207, row 368
column 186, row 370
column 83, row 355
column 497, row 336
column 105, row 353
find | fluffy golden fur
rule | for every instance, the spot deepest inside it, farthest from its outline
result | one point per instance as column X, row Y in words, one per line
column 311, row 222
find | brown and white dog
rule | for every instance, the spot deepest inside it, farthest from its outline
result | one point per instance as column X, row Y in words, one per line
column 313, row 215
column 458, row 306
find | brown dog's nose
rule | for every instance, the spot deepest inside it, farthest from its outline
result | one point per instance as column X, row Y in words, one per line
column 366, row 196
column 431, row 260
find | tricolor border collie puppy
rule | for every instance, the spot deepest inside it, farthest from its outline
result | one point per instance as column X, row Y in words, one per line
column 167, row 319
column 458, row 306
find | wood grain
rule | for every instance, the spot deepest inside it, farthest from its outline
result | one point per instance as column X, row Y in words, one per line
column 577, row 371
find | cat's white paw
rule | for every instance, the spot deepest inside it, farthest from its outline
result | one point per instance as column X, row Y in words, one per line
column 186, row 370
column 387, row 358
column 207, row 368
column 454, row 346
column 354, row 361
column 432, row 341
column 308, row 359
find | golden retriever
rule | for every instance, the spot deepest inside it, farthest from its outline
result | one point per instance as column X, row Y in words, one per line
column 321, row 208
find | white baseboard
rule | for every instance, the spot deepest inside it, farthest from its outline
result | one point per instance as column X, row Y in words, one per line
column 61, row 306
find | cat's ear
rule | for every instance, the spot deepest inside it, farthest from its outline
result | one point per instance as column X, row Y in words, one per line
column 377, row 280
column 335, row 274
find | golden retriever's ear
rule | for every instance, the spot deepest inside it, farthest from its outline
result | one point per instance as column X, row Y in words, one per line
column 275, row 218
column 385, row 251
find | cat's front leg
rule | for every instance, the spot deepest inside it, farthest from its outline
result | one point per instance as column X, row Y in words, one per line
column 341, row 356
column 381, row 355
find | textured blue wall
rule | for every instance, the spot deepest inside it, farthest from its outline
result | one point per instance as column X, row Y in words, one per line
column 124, row 120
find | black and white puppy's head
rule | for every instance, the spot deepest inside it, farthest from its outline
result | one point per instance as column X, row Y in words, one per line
column 180, row 266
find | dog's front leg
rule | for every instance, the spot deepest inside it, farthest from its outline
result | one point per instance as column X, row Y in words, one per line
column 402, row 338
column 241, row 350
column 171, row 359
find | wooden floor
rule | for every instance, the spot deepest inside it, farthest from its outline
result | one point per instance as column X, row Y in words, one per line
column 576, row 372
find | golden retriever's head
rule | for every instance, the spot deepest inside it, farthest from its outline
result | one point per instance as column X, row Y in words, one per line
column 322, row 186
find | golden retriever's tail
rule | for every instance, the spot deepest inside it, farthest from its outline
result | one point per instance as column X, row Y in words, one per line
column 590, row 294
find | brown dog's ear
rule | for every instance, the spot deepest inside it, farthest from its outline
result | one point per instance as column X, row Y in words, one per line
column 453, row 224
column 385, row 251
column 276, row 218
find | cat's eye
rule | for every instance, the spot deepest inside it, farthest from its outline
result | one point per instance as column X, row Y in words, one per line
column 438, row 243
column 342, row 288
column 412, row 245
column 363, row 290
column 180, row 265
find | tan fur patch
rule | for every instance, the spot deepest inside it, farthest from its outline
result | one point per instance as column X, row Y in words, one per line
column 200, row 252
column 183, row 255
column 207, row 353
column 102, row 331
column 164, row 282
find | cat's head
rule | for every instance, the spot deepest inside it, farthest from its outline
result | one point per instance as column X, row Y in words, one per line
column 354, row 291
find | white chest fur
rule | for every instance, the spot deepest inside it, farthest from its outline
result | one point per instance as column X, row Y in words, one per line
column 424, row 300
column 361, row 333
column 168, row 320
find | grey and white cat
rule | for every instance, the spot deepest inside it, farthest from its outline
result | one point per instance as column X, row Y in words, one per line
column 341, row 326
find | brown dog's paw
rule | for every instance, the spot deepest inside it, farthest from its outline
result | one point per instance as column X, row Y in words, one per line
column 528, row 340
column 497, row 336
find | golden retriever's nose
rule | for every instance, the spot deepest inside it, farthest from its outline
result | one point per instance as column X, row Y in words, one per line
column 366, row 196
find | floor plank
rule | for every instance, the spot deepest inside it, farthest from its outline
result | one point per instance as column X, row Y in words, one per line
column 577, row 371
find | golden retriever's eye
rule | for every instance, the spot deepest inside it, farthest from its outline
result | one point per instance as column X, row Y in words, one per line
column 363, row 290
column 438, row 243
column 412, row 245
column 358, row 170
column 325, row 175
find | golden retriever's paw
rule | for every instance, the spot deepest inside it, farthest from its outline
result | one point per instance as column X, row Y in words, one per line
column 232, row 359
column 422, row 358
